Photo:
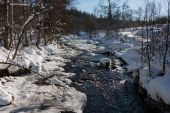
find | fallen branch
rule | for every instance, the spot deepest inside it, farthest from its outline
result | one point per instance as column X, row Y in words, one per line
column 22, row 67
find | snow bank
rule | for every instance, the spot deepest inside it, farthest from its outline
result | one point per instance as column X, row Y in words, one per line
column 32, row 56
column 30, row 95
column 157, row 87
column 48, row 60
column 132, row 57
column 4, row 54
column 5, row 97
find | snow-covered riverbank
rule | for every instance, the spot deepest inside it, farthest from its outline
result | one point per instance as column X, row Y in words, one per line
column 29, row 96
column 156, row 86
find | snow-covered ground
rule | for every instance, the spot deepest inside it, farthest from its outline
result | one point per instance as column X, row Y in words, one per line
column 25, row 95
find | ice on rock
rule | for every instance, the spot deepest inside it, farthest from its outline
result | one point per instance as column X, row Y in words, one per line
column 122, row 82
column 105, row 61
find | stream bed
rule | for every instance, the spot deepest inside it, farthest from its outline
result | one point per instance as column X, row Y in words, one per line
column 108, row 90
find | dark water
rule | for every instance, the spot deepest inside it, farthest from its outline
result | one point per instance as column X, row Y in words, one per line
column 108, row 91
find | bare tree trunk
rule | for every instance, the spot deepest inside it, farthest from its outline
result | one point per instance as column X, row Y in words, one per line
column 45, row 40
column 26, row 42
column 38, row 39
column 109, row 19
column 142, row 50
column 148, row 52
column 166, row 40
column 147, row 38
column 7, row 29
column 43, row 33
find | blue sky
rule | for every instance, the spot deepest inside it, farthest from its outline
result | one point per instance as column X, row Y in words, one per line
column 88, row 5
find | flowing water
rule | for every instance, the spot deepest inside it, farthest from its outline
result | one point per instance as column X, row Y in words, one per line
column 108, row 90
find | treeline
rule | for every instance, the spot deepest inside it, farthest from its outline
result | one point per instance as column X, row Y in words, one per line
column 110, row 16
column 82, row 21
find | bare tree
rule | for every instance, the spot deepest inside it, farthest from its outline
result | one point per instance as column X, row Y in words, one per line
column 107, row 9
column 139, row 13
column 147, row 45
column 125, row 10
column 7, row 24
column 166, row 38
